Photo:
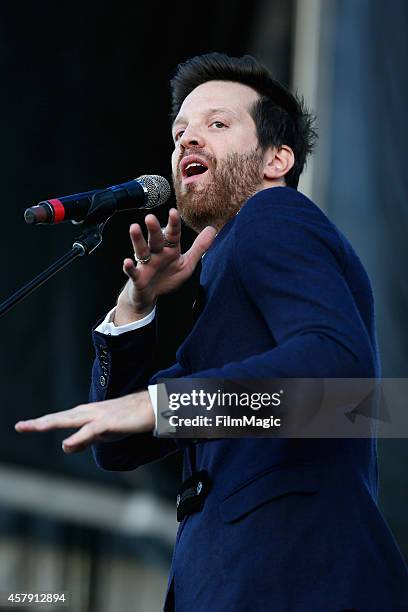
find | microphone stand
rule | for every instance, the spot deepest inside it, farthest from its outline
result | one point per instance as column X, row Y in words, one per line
column 99, row 212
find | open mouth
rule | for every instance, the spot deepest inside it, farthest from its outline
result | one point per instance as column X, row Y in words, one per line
column 192, row 168
column 195, row 168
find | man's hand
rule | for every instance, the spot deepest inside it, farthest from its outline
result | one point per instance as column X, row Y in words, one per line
column 97, row 422
column 166, row 269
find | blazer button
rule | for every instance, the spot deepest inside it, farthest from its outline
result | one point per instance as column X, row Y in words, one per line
column 102, row 380
column 199, row 488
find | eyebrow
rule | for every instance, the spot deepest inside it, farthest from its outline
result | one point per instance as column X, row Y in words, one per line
column 211, row 111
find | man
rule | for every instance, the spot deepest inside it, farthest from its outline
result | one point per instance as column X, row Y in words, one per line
column 288, row 525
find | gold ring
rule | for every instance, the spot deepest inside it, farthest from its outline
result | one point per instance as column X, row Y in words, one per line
column 168, row 243
column 143, row 260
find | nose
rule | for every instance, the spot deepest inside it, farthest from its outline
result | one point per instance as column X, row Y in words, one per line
column 192, row 137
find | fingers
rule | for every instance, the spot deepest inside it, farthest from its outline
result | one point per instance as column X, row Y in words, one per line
column 155, row 235
column 155, row 242
column 76, row 417
column 200, row 245
column 81, row 416
column 130, row 269
column 97, row 421
column 140, row 246
column 82, row 438
column 173, row 227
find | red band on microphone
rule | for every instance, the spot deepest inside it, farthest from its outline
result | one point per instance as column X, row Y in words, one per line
column 59, row 210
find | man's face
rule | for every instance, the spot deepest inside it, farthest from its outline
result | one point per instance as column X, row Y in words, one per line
column 217, row 164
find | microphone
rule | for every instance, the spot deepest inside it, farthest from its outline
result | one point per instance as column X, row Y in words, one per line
column 147, row 191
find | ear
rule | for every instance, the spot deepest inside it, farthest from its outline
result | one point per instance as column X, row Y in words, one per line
column 278, row 162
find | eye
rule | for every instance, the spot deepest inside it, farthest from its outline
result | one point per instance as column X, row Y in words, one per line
column 178, row 135
column 218, row 124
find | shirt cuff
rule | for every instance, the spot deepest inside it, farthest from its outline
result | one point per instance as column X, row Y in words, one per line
column 108, row 328
column 159, row 398
column 153, row 398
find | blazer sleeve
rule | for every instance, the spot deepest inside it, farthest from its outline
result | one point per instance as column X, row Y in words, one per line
column 123, row 365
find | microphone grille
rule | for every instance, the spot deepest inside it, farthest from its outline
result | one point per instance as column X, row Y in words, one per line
column 157, row 187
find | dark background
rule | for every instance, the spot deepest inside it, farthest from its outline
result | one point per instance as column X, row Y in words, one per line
column 85, row 103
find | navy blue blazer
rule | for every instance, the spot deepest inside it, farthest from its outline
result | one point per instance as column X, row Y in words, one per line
column 290, row 525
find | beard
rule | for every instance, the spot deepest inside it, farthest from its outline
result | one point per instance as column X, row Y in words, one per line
column 234, row 180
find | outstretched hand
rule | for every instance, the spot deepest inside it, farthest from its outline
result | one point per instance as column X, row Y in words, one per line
column 162, row 267
column 97, row 422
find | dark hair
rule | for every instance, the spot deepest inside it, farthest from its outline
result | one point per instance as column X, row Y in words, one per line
column 280, row 116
